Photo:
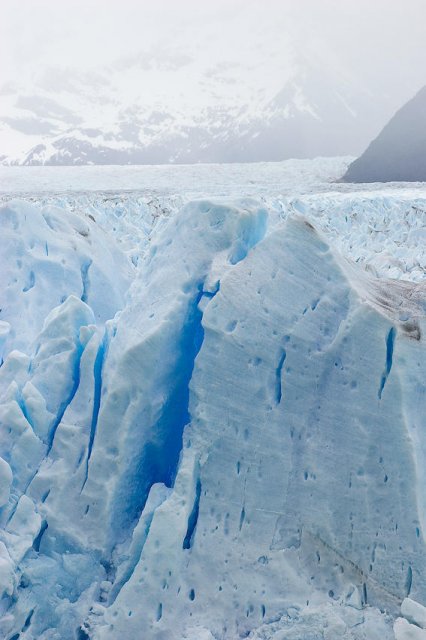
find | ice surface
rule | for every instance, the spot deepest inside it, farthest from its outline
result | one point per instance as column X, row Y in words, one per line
column 46, row 255
column 405, row 631
column 414, row 612
column 211, row 416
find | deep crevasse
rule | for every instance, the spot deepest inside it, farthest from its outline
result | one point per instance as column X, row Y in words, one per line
column 233, row 452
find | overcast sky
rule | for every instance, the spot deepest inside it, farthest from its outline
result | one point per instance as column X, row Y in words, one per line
column 380, row 36
column 378, row 45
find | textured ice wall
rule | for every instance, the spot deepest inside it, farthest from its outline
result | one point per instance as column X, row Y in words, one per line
column 298, row 477
column 49, row 253
column 239, row 450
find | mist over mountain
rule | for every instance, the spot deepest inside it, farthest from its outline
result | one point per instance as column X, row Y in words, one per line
column 222, row 83
column 303, row 119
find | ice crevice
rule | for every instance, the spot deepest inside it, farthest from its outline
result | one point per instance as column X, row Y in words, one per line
column 170, row 427
column 75, row 368
column 278, row 377
column 97, row 392
column 390, row 340
column 85, row 280
column 154, row 458
column 157, row 459
column 193, row 518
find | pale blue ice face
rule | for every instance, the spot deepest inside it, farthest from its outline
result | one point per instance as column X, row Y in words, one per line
column 218, row 431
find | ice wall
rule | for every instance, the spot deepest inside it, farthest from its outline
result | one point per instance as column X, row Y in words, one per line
column 238, row 451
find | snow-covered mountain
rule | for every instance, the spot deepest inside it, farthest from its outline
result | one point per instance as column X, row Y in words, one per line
column 212, row 413
column 232, row 80
column 121, row 115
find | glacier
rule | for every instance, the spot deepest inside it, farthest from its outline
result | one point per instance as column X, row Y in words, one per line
column 211, row 412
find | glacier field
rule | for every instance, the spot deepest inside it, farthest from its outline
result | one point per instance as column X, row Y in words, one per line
column 212, row 401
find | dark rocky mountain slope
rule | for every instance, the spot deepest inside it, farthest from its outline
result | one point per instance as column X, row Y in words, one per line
column 399, row 151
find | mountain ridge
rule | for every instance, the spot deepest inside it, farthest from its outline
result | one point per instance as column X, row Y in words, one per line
column 315, row 109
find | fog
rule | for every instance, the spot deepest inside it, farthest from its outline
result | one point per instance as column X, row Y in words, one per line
column 375, row 50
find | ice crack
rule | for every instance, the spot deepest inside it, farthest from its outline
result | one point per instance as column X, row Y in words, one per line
column 390, row 341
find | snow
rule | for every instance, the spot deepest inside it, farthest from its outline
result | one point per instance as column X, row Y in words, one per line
column 192, row 181
column 211, row 410
column 405, row 631
column 414, row 612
